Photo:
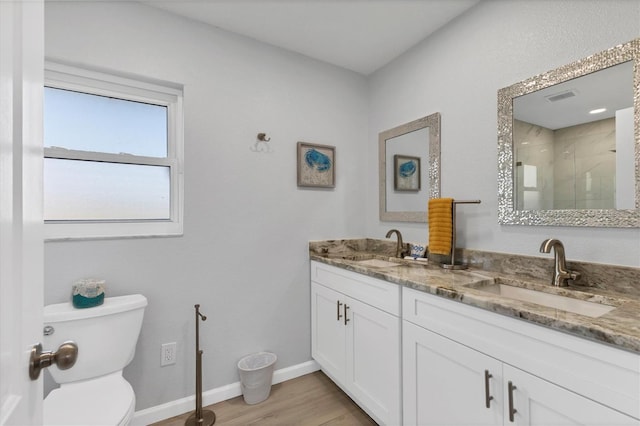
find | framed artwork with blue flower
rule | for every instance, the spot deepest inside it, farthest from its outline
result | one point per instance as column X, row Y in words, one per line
column 316, row 165
column 406, row 176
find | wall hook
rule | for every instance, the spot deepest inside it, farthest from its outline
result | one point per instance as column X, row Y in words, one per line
column 263, row 137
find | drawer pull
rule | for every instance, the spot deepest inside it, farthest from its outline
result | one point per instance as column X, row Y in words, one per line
column 338, row 304
column 346, row 320
column 512, row 410
column 487, row 392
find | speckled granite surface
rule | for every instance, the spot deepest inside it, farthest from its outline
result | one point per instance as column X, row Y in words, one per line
column 606, row 284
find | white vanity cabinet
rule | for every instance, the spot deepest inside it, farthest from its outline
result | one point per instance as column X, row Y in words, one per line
column 495, row 370
column 444, row 381
column 535, row 401
column 355, row 338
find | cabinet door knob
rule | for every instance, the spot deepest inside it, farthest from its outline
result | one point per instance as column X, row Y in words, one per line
column 487, row 391
column 338, row 304
column 346, row 320
column 512, row 410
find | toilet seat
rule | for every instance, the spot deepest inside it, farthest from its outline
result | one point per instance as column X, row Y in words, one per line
column 107, row 400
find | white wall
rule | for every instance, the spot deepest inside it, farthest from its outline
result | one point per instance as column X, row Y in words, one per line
column 457, row 72
column 625, row 167
column 243, row 255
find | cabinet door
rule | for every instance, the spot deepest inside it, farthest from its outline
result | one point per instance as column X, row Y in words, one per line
column 446, row 383
column 328, row 330
column 373, row 361
column 541, row 403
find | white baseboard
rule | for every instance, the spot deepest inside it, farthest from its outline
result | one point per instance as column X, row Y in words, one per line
column 212, row 396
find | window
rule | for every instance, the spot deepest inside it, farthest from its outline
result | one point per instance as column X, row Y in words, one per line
column 113, row 155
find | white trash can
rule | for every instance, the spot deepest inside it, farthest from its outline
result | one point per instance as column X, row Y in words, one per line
column 256, row 375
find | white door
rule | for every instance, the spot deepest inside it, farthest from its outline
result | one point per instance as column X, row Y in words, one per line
column 328, row 330
column 536, row 402
column 21, row 229
column 446, row 383
column 373, row 361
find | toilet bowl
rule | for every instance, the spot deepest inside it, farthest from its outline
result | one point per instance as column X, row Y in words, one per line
column 93, row 391
column 108, row 400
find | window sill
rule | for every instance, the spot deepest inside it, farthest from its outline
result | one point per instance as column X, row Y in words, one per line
column 99, row 231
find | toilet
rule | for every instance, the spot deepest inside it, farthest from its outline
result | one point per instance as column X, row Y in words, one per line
column 93, row 391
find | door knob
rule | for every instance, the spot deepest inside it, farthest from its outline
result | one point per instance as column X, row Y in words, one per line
column 65, row 357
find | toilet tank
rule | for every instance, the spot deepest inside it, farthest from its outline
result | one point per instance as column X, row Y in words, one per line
column 106, row 335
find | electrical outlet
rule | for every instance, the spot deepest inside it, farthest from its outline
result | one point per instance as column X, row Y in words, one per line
column 168, row 354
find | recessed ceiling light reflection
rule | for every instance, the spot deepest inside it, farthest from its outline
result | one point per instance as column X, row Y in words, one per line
column 597, row 111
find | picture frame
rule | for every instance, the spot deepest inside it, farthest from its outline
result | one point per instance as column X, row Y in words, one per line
column 316, row 165
column 406, row 173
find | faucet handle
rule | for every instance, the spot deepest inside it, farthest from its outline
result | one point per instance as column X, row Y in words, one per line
column 574, row 275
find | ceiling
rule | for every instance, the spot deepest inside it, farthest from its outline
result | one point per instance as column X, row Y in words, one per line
column 610, row 89
column 359, row 35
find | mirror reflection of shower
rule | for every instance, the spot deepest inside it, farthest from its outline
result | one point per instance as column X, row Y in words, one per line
column 577, row 167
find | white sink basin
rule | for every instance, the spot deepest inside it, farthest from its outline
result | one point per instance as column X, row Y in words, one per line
column 377, row 263
column 577, row 306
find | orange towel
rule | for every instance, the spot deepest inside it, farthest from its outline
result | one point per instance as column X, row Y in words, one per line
column 440, row 225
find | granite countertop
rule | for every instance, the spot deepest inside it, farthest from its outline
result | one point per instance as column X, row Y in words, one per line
column 620, row 327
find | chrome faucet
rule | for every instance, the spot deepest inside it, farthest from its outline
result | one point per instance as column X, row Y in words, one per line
column 400, row 250
column 560, row 274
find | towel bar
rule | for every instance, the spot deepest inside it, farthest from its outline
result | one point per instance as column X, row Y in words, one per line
column 453, row 265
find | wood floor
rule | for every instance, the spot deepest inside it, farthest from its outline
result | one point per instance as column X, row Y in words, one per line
column 309, row 400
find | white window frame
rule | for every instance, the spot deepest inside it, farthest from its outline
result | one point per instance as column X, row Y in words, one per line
column 135, row 89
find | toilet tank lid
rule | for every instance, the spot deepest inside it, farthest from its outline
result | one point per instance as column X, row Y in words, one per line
column 112, row 305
